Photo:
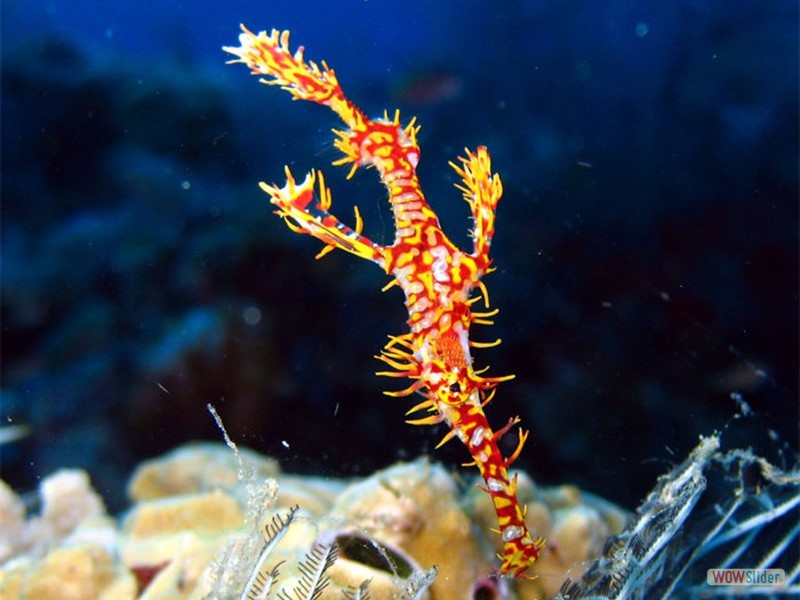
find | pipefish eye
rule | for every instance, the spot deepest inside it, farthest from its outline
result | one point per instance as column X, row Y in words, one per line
column 455, row 387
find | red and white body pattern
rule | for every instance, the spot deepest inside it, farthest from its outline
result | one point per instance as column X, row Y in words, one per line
column 436, row 277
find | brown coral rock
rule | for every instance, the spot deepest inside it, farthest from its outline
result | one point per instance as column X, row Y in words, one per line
column 78, row 573
column 415, row 507
column 194, row 468
column 213, row 512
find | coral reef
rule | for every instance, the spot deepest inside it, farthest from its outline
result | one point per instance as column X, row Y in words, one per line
column 410, row 531
column 196, row 529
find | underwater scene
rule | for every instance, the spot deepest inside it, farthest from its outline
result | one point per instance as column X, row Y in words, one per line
column 571, row 371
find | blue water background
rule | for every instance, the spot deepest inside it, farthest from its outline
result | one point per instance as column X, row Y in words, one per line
column 646, row 246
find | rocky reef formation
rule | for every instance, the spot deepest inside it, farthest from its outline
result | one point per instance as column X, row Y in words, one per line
column 202, row 519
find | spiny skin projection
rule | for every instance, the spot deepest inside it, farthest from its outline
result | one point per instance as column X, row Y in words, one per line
column 436, row 277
